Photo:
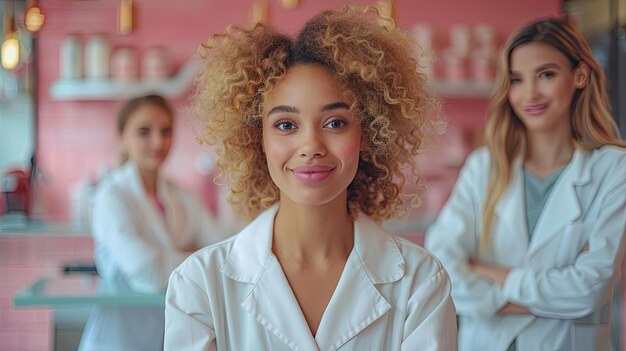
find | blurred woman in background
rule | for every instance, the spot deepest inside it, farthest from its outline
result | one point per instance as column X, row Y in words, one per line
column 144, row 226
column 532, row 235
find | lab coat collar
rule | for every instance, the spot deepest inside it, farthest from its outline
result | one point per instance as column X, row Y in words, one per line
column 173, row 217
column 129, row 175
column 377, row 251
column 511, row 208
column 356, row 302
column 563, row 205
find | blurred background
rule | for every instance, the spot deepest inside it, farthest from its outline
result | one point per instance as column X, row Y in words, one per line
column 67, row 65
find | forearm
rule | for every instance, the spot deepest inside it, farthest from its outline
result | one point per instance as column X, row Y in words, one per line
column 511, row 308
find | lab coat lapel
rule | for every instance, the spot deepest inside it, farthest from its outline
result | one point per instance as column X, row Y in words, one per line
column 131, row 176
column 511, row 212
column 273, row 304
column 563, row 205
column 175, row 223
column 356, row 302
column 271, row 301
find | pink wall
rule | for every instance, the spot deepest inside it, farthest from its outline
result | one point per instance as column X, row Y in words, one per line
column 23, row 259
column 76, row 139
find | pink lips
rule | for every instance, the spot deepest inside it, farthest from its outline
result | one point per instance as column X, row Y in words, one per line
column 535, row 110
column 312, row 173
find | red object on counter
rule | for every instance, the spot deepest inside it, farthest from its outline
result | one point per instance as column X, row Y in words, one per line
column 15, row 189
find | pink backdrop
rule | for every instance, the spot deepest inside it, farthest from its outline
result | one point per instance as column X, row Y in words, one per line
column 77, row 139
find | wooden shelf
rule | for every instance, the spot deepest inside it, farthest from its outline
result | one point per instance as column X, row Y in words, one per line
column 107, row 90
column 467, row 89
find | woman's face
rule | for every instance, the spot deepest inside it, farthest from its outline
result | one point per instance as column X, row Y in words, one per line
column 542, row 87
column 147, row 137
column 310, row 138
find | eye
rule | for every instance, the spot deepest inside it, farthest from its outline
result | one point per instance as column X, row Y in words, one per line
column 547, row 74
column 515, row 80
column 335, row 124
column 144, row 131
column 284, row 125
column 166, row 131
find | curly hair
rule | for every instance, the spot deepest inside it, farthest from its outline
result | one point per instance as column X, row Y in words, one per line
column 369, row 57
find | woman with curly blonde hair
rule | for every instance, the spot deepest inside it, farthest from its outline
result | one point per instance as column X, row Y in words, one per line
column 316, row 135
column 532, row 235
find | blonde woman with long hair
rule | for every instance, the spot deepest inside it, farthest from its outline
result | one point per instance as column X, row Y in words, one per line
column 532, row 235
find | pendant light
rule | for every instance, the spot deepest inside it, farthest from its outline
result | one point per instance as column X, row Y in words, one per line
column 10, row 51
column 126, row 17
column 33, row 18
column 260, row 11
column 290, row 4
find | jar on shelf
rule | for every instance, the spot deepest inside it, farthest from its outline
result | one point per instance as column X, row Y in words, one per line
column 425, row 38
column 70, row 58
column 124, row 65
column 97, row 57
column 483, row 58
column 460, row 40
column 483, row 67
column 155, row 64
column 454, row 66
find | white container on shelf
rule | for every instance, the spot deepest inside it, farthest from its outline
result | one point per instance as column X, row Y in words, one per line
column 155, row 64
column 460, row 40
column 97, row 57
column 425, row 37
column 124, row 65
column 70, row 58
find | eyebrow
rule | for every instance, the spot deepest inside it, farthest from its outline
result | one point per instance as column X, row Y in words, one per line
column 542, row 67
column 283, row 108
column 291, row 109
column 335, row 106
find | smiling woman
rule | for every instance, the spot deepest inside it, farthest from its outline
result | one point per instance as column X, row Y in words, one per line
column 144, row 225
column 314, row 134
column 533, row 234
column 312, row 148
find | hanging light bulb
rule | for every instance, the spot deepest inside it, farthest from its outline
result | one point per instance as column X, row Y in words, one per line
column 126, row 17
column 34, row 17
column 10, row 51
column 260, row 11
column 290, row 4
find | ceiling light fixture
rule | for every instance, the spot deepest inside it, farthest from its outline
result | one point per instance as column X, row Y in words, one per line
column 34, row 17
column 10, row 50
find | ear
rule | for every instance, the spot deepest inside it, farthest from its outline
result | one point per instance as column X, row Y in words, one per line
column 581, row 75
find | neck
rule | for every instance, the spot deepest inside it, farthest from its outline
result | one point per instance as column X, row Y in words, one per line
column 547, row 152
column 149, row 180
column 313, row 235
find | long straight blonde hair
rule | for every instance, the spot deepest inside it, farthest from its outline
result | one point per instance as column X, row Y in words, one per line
column 592, row 123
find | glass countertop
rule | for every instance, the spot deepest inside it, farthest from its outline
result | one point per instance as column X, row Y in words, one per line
column 80, row 290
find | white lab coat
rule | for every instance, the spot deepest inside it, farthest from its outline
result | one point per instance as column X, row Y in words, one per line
column 565, row 275
column 392, row 295
column 137, row 248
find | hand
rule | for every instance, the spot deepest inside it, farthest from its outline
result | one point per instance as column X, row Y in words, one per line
column 489, row 272
column 189, row 249
column 511, row 308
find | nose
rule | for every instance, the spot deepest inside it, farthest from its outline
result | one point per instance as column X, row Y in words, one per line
column 312, row 144
column 158, row 140
column 532, row 91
